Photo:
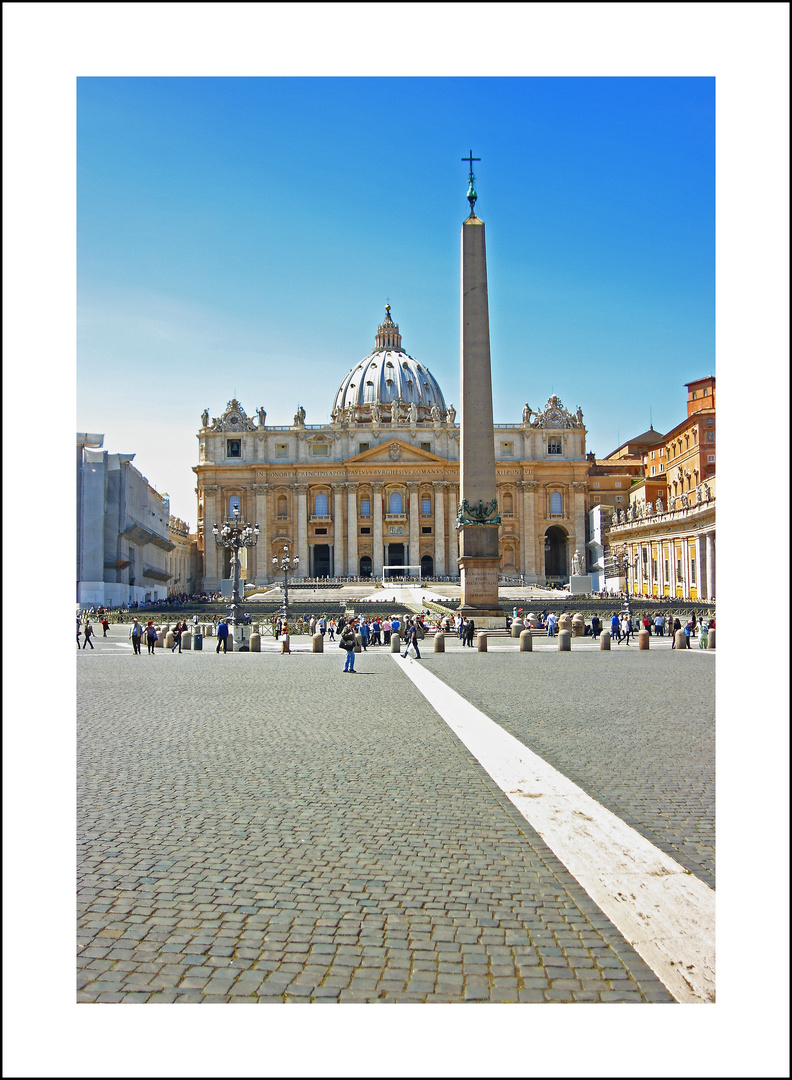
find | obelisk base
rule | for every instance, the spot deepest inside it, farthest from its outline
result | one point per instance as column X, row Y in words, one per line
column 479, row 580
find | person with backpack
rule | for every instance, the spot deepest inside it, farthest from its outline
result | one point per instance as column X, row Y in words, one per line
column 88, row 634
column 177, row 634
column 151, row 636
column 348, row 643
column 135, row 633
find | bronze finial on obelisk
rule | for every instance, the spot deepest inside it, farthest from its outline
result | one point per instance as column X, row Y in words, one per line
column 477, row 517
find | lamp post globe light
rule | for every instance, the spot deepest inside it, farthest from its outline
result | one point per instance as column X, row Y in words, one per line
column 286, row 565
column 235, row 535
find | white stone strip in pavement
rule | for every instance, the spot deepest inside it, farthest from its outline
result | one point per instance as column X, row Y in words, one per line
column 664, row 912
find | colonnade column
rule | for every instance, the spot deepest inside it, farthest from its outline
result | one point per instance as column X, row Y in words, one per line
column 439, row 528
column 211, row 569
column 338, row 529
column 377, row 554
column 530, row 569
column 302, row 529
column 414, row 554
column 262, row 548
column 453, row 535
column 710, row 544
column 353, row 568
column 701, row 584
column 580, row 487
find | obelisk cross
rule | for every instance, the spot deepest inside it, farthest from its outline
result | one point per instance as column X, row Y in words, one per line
column 471, row 194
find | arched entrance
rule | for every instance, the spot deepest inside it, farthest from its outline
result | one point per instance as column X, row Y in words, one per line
column 427, row 566
column 365, row 566
column 555, row 547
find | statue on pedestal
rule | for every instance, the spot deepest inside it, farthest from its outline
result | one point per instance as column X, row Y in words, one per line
column 527, row 414
column 395, row 411
column 299, row 417
column 262, row 416
column 577, row 564
column 451, row 414
column 205, row 418
column 413, row 413
column 375, row 413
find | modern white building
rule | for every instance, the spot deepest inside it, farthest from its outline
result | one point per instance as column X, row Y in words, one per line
column 122, row 530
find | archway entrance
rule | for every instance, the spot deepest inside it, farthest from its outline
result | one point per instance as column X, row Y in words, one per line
column 427, row 566
column 395, row 556
column 555, row 546
column 365, row 566
column 321, row 560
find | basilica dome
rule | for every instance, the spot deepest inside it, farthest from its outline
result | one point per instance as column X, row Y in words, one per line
column 387, row 376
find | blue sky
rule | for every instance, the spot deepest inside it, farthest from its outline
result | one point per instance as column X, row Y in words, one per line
column 241, row 236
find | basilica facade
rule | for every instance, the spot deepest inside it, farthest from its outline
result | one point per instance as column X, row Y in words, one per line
column 375, row 491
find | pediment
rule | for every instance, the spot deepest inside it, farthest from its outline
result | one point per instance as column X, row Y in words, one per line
column 395, row 452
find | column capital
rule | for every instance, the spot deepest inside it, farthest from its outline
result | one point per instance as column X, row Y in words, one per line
column 580, row 486
column 300, row 489
column 377, row 485
column 439, row 485
column 413, row 487
column 530, row 485
column 260, row 489
column 210, row 489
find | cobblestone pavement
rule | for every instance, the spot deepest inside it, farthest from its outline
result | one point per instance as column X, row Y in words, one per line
column 643, row 747
column 264, row 829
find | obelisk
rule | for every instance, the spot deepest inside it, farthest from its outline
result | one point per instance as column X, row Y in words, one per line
column 477, row 517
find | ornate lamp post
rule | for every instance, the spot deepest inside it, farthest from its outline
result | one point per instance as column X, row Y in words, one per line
column 235, row 535
column 622, row 557
column 286, row 564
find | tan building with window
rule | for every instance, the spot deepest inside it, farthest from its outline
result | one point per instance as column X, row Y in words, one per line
column 378, row 486
column 668, row 529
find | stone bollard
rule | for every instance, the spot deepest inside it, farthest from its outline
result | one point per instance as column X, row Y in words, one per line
column 565, row 622
column 439, row 642
column 643, row 639
column 481, row 641
column 711, row 638
column 530, row 621
column 317, row 643
column 284, row 640
column 680, row 639
column 358, row 643
column 605, row 640
column 186, row 641
column 158, row 644
column 170, row 639
column 395, row 643
column 526, row 641
column 565, row 641
column 197, row 642
column 230, row 642
column 255, row 642
column 209, row 629
column 517, row 628
column 578, row 625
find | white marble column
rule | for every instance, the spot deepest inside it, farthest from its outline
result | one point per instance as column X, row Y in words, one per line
column 302, row 529
column 532, row 572
column 710, row 544
column 263, row 564
column 353, row 567
column 414, row 554
column 378, row 552
column 339, row 560
column 439, row 528
column 211, row 562
column 580, row 487
column 701, row 582
column 453, row 535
